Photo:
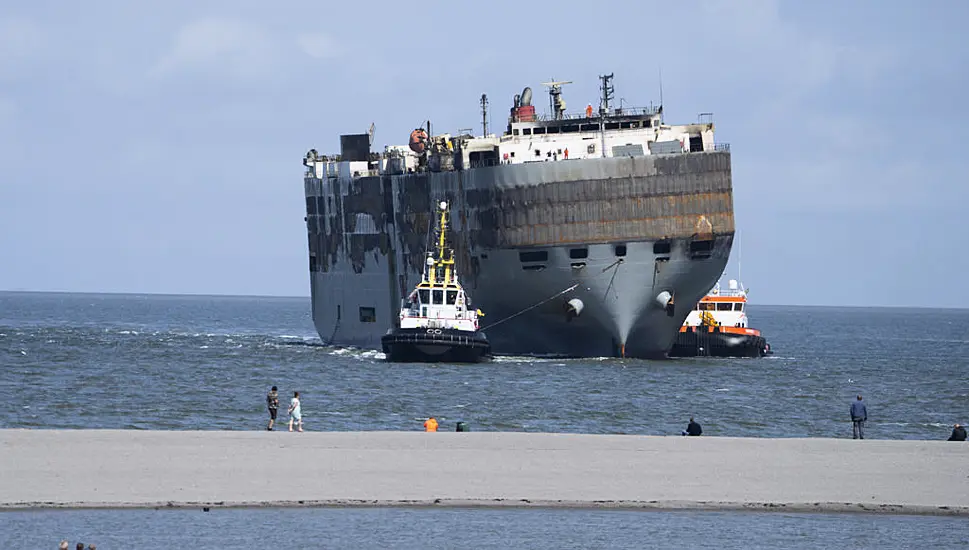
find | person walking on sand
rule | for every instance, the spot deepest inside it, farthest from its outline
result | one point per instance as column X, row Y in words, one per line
column 272, row 403
column 859, row 415
column 295, row 414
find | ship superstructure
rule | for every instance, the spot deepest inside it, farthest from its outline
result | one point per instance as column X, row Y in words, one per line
column 632, row 214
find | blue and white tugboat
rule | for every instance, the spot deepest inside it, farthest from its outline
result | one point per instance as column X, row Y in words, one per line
column 437, row 322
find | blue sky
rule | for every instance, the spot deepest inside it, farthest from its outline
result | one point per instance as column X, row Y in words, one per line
column 158, row 148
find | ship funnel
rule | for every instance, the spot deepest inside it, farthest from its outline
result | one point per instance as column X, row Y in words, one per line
column 526, row 97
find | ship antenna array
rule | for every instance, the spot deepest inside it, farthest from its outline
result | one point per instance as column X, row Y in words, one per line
column 608, row 92
column 484, row 114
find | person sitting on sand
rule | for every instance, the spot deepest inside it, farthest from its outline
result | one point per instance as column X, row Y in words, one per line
column 693, row 428
column 958, row 433
column 295, row 414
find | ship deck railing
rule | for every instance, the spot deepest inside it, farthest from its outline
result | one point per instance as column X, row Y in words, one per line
column 618, row 112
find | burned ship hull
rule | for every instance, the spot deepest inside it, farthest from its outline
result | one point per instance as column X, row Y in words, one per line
column 639, row 239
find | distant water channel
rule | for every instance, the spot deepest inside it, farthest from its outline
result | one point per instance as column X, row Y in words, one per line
column 473, row 528
column 190, row 363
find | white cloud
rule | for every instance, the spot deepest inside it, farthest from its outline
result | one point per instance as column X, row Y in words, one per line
column 221, row 45
column 318, row 45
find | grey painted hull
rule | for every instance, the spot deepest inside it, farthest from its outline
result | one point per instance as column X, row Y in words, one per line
column 591, row 223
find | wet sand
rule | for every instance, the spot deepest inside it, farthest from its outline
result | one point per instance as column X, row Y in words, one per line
column 130, row 468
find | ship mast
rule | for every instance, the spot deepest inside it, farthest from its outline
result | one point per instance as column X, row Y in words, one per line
column 607, row 94
column 444, row 258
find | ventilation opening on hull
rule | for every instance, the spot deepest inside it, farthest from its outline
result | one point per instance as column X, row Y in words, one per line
column 578, row 265
column 662, row 247
column 533, row 256
column 620, row 250
column 368, row 315
column 578, row 253
column 701, row 249
column 533, row 267
column 484, row 256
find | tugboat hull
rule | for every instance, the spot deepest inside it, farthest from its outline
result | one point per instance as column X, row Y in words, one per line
column 433, row 345
column 704, row 343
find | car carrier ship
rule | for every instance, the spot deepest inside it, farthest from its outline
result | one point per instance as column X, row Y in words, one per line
column 582, row 234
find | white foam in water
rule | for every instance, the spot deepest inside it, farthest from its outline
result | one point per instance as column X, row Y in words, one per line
column 722, row 389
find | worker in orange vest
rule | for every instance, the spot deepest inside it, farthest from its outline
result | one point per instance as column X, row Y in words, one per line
column 588, row 111
column 430, row 425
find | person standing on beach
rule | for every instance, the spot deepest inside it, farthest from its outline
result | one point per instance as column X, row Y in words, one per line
column 859, row 415
column 295, row 414
column 272, row 403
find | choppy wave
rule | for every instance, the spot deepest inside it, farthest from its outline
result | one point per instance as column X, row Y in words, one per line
column 193, row 364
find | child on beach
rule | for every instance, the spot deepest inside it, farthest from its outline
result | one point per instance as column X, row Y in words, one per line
column 295, row 415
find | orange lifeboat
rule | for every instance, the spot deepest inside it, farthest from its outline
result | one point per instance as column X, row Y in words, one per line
column 418, row 140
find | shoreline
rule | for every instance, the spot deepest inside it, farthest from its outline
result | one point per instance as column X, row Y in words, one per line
column 49, row 469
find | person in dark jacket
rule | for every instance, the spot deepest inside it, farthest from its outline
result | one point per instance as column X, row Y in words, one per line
column 859, row 415
column 958, row 433
column 693, row 428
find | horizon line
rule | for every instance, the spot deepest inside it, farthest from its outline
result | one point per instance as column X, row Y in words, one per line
column 307, row 296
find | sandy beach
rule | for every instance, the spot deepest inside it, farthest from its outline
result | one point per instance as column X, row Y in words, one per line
column 128, row 468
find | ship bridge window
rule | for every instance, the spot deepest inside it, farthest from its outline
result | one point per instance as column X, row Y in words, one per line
column 661, row 247
column 539, row 130
column 738, row 307
column 425, row 295
column 578, row 253
column 727, row 306
column 533, row 256
column 452, row 297
column 368, row 315
column 707, row 306
column 553, row 129
column 612, row 126
column 438, row 297
column 514, row 132
column 571, row 128
column 526, row 131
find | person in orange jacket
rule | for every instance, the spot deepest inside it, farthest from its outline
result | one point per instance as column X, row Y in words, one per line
column 430, row 425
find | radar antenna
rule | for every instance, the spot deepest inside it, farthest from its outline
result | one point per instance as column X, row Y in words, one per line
column 556, row 104
column 370, row 133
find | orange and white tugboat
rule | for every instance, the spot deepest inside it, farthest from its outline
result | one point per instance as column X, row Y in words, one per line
column 717, row 327
column 437, row 322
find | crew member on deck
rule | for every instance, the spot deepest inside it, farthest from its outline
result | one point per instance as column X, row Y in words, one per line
column 430, row 425
column 588, row 111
